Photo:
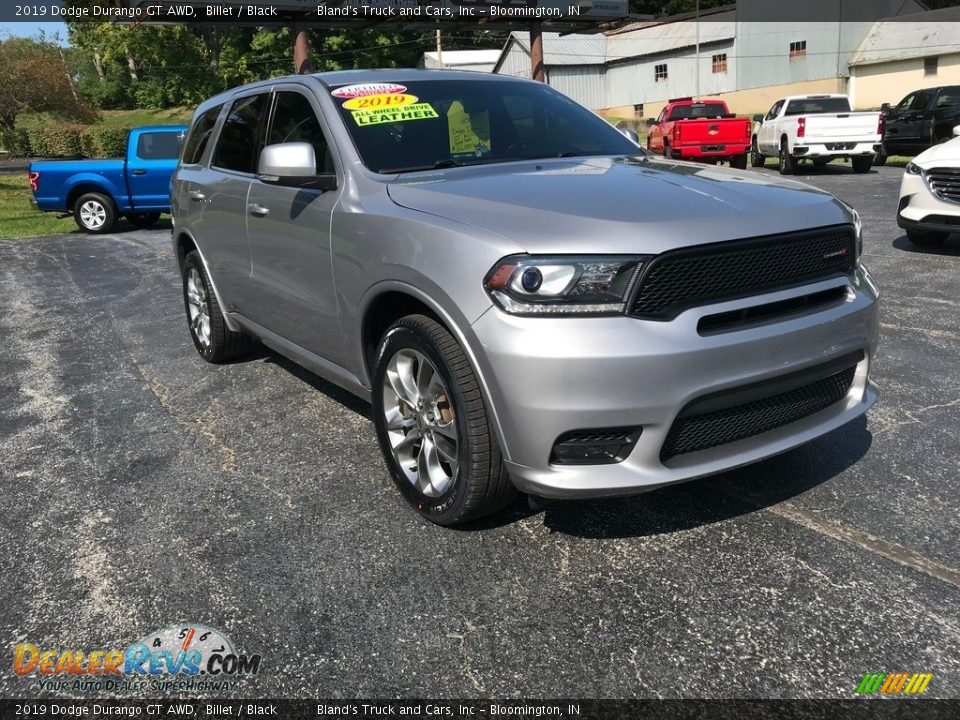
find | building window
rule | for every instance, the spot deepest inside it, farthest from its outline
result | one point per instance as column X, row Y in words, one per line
column 638, row 110
column 660, row 72
column 930, row 65
column 798, row 49
column 719, row 63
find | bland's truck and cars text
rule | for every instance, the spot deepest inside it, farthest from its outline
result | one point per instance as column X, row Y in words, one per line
column 467, row 252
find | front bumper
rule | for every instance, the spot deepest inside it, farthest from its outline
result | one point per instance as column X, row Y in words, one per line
column 921, row 209
column 546, row 377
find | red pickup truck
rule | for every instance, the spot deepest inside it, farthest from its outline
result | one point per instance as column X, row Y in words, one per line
column 691, row 129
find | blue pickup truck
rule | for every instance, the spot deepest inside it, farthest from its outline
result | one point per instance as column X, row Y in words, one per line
column 98, row 192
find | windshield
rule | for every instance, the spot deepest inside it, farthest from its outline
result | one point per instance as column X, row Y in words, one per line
column 698, row 110
column 812, row 106
column 445, row 123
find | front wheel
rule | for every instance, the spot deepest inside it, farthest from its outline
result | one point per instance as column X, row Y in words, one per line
column 432, row 425
column 94, row 213
column 215, row 342
column 862, row 163
column 756, row 158
column 143, row 219
column 927, row 237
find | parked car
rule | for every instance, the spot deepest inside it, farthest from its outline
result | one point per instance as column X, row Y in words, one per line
column 820, row 128
column 929, row 208
column 691, row 129
column 529, row 300
column 921, row 120
column 98, row 192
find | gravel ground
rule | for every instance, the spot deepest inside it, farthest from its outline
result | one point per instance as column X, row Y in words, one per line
column 144, row 488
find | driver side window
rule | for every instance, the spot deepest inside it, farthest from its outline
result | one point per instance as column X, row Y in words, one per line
column 775, row 110
column 907, row 101
column 295, row 121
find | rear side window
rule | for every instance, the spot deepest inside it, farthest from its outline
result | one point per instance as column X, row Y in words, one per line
column 199, row 136
column 239, row 144
column 295, row 121
column 159, row 146
column 812, row 106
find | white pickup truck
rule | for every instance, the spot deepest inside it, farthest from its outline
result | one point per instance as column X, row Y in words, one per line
column 818, row 127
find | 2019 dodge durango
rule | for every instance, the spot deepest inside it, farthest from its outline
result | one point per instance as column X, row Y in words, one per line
column 529, row 300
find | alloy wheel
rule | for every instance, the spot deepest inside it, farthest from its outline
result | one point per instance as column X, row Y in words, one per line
column 93, row 214
column 197, row 307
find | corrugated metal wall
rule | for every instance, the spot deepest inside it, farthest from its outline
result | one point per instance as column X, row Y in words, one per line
column 516, row 63
column 586, row 85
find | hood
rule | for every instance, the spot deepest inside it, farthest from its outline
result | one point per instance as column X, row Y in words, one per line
column 947, row 153
column 616, row 205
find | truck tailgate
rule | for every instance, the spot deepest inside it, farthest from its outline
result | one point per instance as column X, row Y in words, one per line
column 841, row 125
column 713, row 131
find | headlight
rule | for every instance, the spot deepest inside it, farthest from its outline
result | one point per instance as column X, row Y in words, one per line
column 914, row 169
column 563, row 285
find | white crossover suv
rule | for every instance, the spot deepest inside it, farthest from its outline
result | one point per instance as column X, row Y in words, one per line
column 929, row 207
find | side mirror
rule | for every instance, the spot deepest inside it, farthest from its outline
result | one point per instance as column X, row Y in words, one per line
column 650, row 122
column 630, row 134
column 293, row 164
column 758, row 119
column 885, row 108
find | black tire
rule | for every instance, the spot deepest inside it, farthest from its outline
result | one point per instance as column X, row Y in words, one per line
column 927, row 237
column 862, row 163
column 739, row 162
column 144, row 219
column 95, row 213
column 787, row 163
column 480, row 484
column 880, row 159
column 221, row 344
column 820, row 162
column 666, row 150
column 756, row 158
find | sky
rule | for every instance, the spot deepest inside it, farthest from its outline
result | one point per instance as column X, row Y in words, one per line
column 30, row 29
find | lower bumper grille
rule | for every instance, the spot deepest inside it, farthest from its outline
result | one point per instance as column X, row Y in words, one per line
column 751, row 410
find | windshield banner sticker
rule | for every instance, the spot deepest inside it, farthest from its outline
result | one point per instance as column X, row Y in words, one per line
column 376, row 116
column 384, row 100
column 362, row 89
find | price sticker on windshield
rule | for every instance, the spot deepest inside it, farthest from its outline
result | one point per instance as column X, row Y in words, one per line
column 380, row 101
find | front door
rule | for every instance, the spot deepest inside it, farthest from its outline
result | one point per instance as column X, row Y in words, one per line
column 288, row 231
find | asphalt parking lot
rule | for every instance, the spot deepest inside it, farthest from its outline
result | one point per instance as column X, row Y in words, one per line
column 143, row 488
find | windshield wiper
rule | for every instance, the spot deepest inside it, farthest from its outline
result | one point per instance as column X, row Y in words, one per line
column 447, row 163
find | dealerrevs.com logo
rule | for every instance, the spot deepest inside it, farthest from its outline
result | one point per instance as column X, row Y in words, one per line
column 183, row 658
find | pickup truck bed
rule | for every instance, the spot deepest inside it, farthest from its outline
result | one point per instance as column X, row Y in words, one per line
column 98, row 192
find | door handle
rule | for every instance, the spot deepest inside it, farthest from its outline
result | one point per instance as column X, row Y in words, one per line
column 258, row 210
column 197, row 196
column 139, row 172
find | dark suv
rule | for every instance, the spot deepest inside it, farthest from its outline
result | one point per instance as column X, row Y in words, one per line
column 922, row 119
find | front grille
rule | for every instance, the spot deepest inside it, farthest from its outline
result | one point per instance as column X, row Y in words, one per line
column 680, row 279
column 693, row 431
column 945, row 183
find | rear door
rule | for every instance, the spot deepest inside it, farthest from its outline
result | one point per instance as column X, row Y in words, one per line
column 220, row 193
column 151, row 160
column 288, row 230
column 906, row 124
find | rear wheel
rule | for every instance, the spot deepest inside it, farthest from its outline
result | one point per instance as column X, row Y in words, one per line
column 739, row 162
column 862, row 163
column 881, row 158
column 432, row 425
column 215, row 342
column 927, row 237
column 144, row 219
column 94, row 213
column 788, row 163
column 756, row 159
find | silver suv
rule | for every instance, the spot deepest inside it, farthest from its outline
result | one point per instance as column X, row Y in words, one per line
column 528, row 299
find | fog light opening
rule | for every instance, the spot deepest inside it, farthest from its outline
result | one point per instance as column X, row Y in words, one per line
column 594, row 447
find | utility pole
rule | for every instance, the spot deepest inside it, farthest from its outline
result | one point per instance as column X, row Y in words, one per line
column 302, row 65
column 536, row 52
column 439, row 50
column 697, row 70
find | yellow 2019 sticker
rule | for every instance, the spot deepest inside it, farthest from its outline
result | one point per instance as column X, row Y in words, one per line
column 376, row 116
column 380, row 101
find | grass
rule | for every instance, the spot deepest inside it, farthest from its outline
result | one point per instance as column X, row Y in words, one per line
column 18, row 219
column 115, row 118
